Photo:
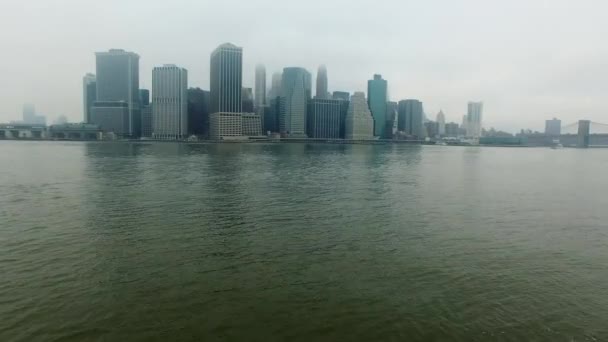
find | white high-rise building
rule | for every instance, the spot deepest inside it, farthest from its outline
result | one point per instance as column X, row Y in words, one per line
column 474, row 119
column 441, row 123
column 359, row 120
column 169, row 102
column 260, row 88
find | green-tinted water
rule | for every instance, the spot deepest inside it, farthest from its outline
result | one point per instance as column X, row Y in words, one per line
column 167, row 242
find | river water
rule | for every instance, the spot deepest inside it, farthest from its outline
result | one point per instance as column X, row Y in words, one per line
column 301, row 242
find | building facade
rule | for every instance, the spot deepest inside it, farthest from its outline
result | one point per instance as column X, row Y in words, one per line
column 474, row 119
column 452, row 129
column 411, row 118
column 226, row 126
column 341, row 95
column 169, row 102
column 322, row 92
column 144, row 97
column 248, row 105
column 275, row 86
column 226, row 79
column 553, row 127
column 441, row 123
column 112, row 117
column 252, row 125
column 295, row 94
column 324, row 118
column 377, row 89
column 392, row 119
column 260, row 87
column 146, row 121
column 198, row 112
column 359, row 120
column 89, row 95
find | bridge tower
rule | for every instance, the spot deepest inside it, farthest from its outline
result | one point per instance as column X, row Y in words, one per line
column 583, row 133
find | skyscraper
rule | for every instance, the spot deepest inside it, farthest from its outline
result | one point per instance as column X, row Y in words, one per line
column 359, row 120
column 324, row 118
column 89, row 95
column 260, row 88
column 169, row 102
column 392, row 119
column 275, row 87
column 322, row 92
column 474, row 119
column 226, row 79
column 248, row 105
column 441, row 123
column 377, row 93
column 198, row 112
column 144, row 97
column 553, row 127
column 117, row 92
column 295, row 93
column 411, row 118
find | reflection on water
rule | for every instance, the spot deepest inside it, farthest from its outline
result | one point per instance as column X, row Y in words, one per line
column 163, row 241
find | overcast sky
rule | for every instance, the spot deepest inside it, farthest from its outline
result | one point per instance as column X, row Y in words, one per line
column 527, row 60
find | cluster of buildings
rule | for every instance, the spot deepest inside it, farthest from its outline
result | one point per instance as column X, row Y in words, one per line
column 113, row 101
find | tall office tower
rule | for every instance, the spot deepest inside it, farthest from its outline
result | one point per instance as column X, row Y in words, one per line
column 411, row 118
column 248, row 105
column 295, row 93
column 392, row 116
column 359, row 120
column 322, row 92
column 260, row 88
column 144, row 97
column 377, row 98
column 271, row 115
column 553, row 127
column 324, row 118
column 441, row 123
column 226, row 79
column 464, row 124
column 89, row 95
column 275, row 86
column 341, row 95
column 116, row 108
column 198, row 112
column 452, row 129
column 29, row 113
column 169, row 102
column 474, row 119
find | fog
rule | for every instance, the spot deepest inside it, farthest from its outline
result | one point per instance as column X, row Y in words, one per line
column 526, row 60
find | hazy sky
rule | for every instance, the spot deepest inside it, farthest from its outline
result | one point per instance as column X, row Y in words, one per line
column 528, row 60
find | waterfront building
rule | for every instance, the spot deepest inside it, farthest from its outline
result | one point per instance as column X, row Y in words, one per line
column 252, row 125
column 553, row 127
column 474, row 119
column 322, row 92
column 226, row 79
column 452, row 129
column 359, row 120
column 411, row 118
column 224, row 126
column 324, row 118
column 392, row 116
column 89, row 95
column 271, row 116
column 169, row 102
column 377, row 89
column 146, row 121
column 295, row 93
column 198, row 112
column 432, row 129
column 117, row 74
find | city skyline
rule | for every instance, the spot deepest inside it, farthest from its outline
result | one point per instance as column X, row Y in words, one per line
column 524, row 73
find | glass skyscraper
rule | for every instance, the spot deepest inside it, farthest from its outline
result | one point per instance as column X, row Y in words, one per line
column 377, row 97
column 324, row 118
column 226, row 79
column 295, row 93
column 411, row 118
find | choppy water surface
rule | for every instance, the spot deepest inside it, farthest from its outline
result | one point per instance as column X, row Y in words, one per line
column 140, row 242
